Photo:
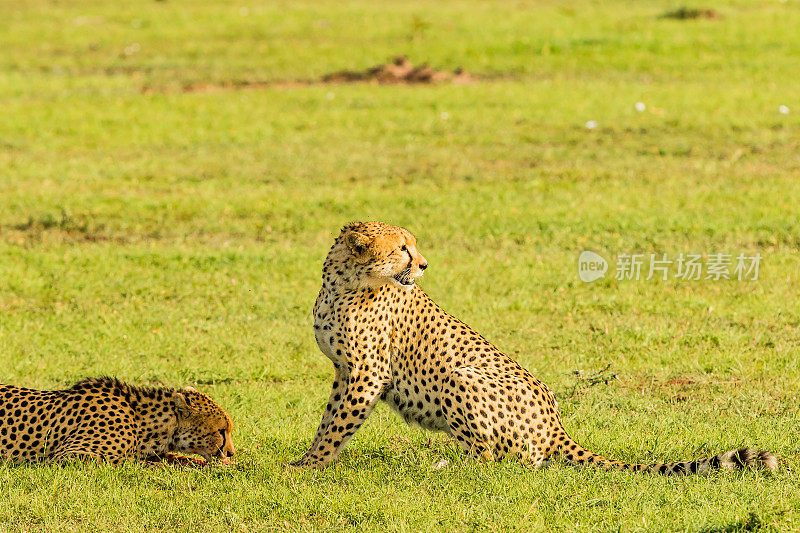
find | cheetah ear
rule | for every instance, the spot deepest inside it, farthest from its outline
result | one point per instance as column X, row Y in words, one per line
column 181, row 403
column 357, row 242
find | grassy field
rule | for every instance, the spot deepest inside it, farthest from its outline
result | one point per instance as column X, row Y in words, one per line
column 168, row 194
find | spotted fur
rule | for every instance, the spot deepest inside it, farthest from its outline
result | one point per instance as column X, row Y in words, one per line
column 389, row 341
column 107, row 419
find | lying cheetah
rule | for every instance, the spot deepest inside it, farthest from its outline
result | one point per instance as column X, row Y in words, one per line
column 389, row 341
column 104, row 418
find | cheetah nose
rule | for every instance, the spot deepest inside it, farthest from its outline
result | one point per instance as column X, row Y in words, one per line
column 423, row 265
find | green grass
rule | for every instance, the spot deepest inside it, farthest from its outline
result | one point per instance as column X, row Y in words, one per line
column 172, row 237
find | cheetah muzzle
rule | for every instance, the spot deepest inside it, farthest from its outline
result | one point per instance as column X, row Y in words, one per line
column 404, row 278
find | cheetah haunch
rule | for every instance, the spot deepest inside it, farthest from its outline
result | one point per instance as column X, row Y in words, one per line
column 103, row 418
column 389, row 341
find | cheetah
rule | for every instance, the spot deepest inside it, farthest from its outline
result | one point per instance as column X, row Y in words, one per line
column 389, row 341
column 106, row 419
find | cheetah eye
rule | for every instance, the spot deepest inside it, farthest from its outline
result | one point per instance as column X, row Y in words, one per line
column 404, row 248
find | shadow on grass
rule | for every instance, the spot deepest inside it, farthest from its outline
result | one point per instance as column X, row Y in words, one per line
column 750, row 523
column 685, row 13
column 65, row 226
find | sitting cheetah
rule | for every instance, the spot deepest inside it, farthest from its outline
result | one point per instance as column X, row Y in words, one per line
column 104, row 418
column 389, row 341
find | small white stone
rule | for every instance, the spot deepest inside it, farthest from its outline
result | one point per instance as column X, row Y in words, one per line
column 441, row 464
column 592, row 124
column 445, row 115
column 784, row 110
column 640, row 106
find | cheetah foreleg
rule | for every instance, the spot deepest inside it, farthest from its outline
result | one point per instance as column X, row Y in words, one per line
column 338, row 391
column 362, row 395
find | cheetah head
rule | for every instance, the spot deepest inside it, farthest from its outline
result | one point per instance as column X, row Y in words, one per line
column 204, row 428
column 379, row 254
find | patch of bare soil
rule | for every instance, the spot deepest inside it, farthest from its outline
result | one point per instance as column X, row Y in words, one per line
column 401, row 70
column 398, row 71
column 681, row 381
column 685, row 13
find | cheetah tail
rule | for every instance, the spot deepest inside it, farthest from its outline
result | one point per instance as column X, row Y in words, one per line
column 742, row 458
